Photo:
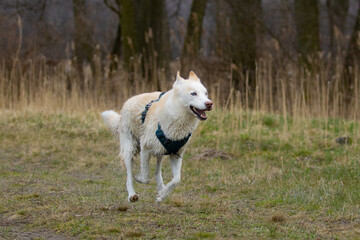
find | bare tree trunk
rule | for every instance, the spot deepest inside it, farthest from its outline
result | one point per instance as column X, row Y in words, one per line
column 160, row 27
column 307, row 26
column 116, row 49
column 128, row 32
column 353, row 52
column 153, row 36
column 117, row 46
column 244, row 17
column 337, row 11
column 352, row 59
column 82, row 34
column 192, row 39
column 143, row 29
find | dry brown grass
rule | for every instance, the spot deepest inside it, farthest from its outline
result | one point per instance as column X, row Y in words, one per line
column 285, row 90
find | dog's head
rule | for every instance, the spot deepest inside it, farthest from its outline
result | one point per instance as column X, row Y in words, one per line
column 192, row 95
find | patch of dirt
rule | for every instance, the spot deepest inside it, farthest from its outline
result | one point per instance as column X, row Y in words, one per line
column 344, row 224
column 14, row 229
column 116, row 207
column 18, row 233
column 344, row 140
column 211, row 153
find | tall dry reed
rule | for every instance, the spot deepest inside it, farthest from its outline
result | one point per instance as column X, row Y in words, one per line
column 292, row 95
column 290, row 90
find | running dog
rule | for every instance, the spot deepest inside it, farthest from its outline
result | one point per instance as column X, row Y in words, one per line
column 159, row 124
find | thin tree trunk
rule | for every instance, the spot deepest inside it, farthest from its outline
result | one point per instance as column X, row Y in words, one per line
column 160, row 27
column 352, row 59
column 128, row 32
column 116, row 49
column 245, row 14
column 337, row 12
column 353, row 51
column 307, row 26
column 192, row 41
column 117, row 46
column 153, row 36
column 82, row 34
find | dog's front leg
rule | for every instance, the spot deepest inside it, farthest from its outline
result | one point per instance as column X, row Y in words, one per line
column 158, row 174
column 176, row 162
column 143, row 177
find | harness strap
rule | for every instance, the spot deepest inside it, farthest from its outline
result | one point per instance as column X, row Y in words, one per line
column 171, row 146
column 147, row 107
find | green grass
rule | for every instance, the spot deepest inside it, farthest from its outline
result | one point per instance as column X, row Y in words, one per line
column 285, row 179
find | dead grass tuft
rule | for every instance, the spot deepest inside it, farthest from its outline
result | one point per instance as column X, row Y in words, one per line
column 113, row 230
column 133, row 234
column 177, row 201
column 278, row 218
column 104, row 209
column 122, row 208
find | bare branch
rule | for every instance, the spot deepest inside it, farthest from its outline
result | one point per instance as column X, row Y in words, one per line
column 177, row 9
column 112, row 7
column 42, row 9
column 274, row 36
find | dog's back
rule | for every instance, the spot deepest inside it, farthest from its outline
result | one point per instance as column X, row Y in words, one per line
column 132, row 110
column 130, row 117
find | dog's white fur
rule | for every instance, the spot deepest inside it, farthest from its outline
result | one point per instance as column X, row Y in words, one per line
column 177, row 120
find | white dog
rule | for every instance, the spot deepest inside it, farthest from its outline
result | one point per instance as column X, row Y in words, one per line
column 159, row 124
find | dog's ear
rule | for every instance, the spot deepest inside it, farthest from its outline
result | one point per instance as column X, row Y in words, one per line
column 193, row 76
column 179, row 79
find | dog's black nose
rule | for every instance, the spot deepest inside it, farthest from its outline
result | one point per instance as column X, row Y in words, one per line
column 209, row 104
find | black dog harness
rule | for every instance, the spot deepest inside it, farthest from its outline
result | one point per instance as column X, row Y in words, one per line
column 147, row 107
column 171, row 146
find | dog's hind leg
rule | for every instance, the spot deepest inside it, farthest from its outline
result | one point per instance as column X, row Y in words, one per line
column 132, row 197
column 176, row 162
column 128, row 147
column 158, row 174
column 143, row 177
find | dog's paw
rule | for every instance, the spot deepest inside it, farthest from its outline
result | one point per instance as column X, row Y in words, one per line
column 140, row 179
column 161, row 195
column 133, row 198
column 159, row 199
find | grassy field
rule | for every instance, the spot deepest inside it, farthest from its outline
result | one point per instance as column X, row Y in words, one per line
column 246, row 175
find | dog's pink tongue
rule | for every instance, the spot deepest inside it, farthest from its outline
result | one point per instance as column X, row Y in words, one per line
column 203, row 114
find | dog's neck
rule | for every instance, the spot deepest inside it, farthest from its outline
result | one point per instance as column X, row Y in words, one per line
column 175, row 119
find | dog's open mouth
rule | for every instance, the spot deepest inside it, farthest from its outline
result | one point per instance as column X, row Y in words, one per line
column 199, row 113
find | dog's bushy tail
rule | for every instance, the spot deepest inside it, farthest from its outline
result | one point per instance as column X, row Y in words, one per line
column 112, row 120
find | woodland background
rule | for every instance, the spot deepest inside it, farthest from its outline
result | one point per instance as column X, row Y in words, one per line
column 240, row 45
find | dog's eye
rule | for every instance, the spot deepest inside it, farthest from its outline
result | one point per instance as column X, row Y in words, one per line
column 206, row 94
column 193, row 94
